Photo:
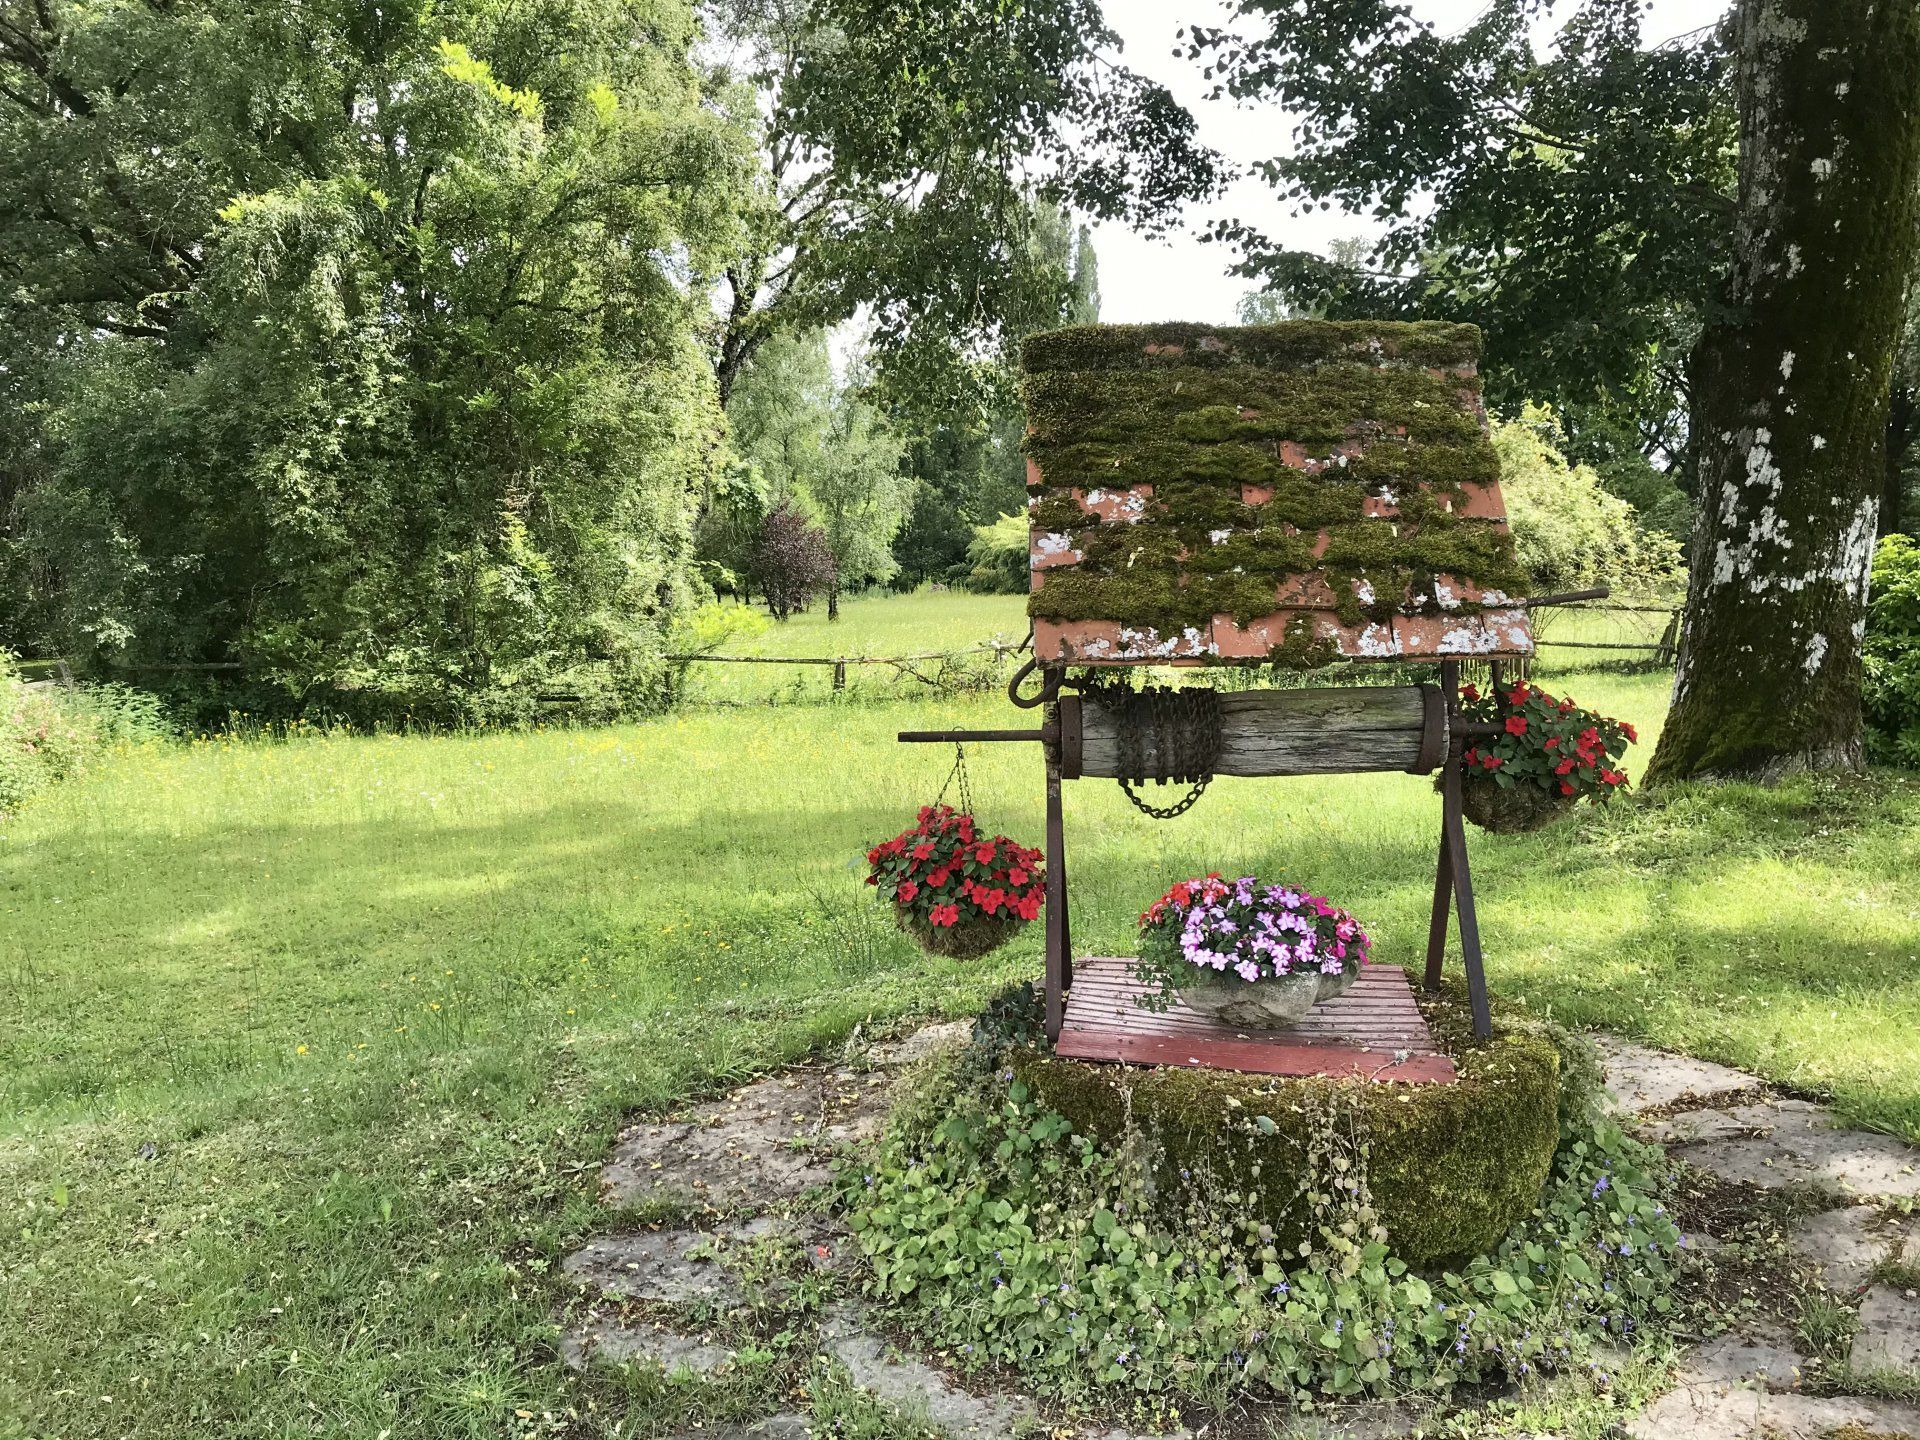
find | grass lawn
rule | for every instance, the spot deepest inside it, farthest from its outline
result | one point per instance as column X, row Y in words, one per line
column 378, row 1005
column 878, row 624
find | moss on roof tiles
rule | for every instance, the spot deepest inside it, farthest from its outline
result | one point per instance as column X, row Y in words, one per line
column 1323, row 415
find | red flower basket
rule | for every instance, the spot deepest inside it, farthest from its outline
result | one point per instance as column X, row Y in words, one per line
column 958, row 893
column 1549, row 754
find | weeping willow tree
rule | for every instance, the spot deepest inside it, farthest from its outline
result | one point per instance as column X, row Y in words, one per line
column 358, row 345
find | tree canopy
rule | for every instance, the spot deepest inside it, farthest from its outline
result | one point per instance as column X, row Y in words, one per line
column 1574, row 203
column 1708, row 239
column 358, row 345
column 904, row 144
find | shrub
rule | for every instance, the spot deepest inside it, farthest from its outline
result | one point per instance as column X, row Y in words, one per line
column 792, row 562
column 1890, row 654
column 1569, row 532
column 997, row 557
column 49, row 734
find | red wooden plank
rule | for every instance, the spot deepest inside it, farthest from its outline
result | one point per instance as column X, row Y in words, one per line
column 1358, row 1033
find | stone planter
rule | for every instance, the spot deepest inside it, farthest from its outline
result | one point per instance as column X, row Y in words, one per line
column 1510, row 809
column 1272, row 1004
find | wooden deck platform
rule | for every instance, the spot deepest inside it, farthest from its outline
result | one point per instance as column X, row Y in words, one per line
column 1358, row 1033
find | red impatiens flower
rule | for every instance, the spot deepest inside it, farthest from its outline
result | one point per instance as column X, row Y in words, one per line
column 1540, row 740
column 942, row 873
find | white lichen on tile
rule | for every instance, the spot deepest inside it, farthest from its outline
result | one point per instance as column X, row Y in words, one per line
column 1376, row 640
column 1468, row 640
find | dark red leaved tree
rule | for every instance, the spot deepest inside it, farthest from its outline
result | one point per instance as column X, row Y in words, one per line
column 792, row 563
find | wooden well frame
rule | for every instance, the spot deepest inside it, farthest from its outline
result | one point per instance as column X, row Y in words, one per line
column 1437, row 743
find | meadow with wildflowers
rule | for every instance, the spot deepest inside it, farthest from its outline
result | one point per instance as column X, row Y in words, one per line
column 310, row 1048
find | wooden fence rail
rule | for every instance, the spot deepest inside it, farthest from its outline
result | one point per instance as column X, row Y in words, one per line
column 903, row 664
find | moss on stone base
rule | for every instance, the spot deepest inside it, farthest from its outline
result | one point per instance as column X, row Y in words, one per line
column 1451, row 1167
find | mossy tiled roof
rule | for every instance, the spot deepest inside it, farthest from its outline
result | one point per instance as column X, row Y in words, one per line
column 1298, row 492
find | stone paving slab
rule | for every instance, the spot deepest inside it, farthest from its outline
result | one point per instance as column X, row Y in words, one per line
column 1643, row 1079
column 767, row 1142
column 912, row 1386
column 1759, row 1415
column 663, row 1267
column 1888, row 1336
column 610, row 1340
column 784, row 1426
column 1846, row 1245
column 1776, row 1143
column 682, row 1267
column 1760, row 1354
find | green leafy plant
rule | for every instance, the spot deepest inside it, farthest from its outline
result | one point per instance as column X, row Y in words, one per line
column 48, row 734
column 1890, row 654
column 1546, row 748
column 997, row 557
column 1008, row 1239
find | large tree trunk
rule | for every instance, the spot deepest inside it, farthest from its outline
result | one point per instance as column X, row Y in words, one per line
column 1792, row 406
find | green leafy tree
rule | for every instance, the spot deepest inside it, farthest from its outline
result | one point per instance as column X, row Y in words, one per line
column 825, row 450
column 861, row 496
column 902, row 144
column 997, row 556
column 1569, row 530
column 964, row 447
column 1722, row 225
column 358, row 343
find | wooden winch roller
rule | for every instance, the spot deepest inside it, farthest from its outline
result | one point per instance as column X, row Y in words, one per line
column 1330, row 731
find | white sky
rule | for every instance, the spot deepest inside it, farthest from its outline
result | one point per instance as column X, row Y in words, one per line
column 1184, row 277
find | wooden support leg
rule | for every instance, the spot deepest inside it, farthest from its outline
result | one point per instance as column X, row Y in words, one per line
column 1453, row 875
column 1442, row 909
column 1455, row 851
column 1059, row 946
column 1443, row 869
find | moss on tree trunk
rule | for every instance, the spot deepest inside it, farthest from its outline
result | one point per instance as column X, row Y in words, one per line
column 1791, row 406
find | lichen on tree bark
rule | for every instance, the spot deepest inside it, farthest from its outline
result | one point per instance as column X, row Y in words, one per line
column 1791, row 398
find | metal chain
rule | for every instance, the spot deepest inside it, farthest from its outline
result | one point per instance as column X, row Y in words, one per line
column 1166, row 812
column 959, row 773
column 1186, row 741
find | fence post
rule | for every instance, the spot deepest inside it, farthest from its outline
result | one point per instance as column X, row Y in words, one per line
column 839, row 674
column 1667, row 651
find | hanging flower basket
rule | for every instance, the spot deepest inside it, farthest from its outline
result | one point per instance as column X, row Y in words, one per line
column 960, row 894
column 1246, row 952
column 1549, row 755
column 1512, row 809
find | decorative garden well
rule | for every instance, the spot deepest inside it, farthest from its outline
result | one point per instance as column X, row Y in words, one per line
column 1291, row 495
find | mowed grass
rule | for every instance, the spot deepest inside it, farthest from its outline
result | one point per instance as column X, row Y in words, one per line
column 875, row 625
column 379, row 1005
